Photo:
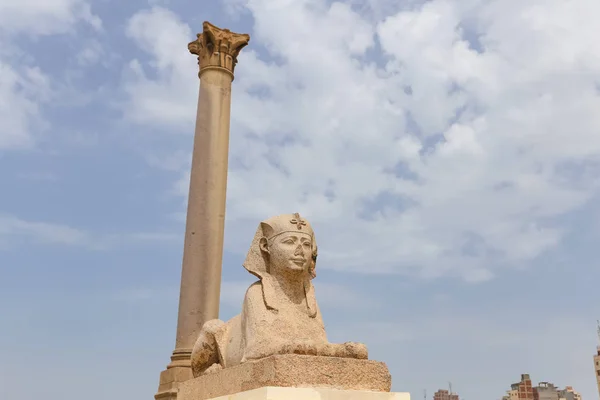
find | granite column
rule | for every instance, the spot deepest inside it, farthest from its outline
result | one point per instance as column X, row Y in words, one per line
column 217, row 51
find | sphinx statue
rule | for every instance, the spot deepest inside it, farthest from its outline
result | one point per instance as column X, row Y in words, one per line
column 280, row 314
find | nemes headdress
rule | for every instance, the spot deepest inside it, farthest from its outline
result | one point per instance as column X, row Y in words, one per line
column 257, row 263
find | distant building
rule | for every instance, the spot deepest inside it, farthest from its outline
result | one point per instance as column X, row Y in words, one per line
column 597, row 367
column 546, row 391
column 597, row 362
column 513, row 393
column 444, row 395
column 568, row 394
column 524, row 388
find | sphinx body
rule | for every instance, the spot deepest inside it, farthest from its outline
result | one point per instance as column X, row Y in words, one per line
column 280, row 314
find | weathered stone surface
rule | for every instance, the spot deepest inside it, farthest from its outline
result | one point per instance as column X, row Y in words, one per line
column 217, row 50
column 278, row 393
column 170, row 380
column 280, row 314
column 290, row 371
column 205, row 220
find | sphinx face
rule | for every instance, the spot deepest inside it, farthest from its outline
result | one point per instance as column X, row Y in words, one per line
column 290, row 253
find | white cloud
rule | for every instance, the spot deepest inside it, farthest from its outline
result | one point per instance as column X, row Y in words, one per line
column 21, row 92
column 24, row 86
column 45, row 17
column 160, row 33
column 455, row 157
column 92, row 53
column 14, row 230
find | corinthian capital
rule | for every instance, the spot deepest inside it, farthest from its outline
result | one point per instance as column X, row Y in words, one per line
column 218, row 48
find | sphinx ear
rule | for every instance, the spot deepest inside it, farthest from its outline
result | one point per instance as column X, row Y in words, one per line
column 263, row 244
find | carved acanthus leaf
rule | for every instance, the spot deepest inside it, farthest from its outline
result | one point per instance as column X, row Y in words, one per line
column 218, row 48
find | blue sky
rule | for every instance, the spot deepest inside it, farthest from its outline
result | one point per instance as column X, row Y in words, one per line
column 445, row 152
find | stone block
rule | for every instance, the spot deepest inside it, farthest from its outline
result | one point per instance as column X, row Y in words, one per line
column 291, row 371
column 170, row 379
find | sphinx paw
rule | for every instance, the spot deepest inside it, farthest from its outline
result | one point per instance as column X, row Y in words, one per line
column 205, row 352
column 306, row 348
column 213, row 368
column 356, row 350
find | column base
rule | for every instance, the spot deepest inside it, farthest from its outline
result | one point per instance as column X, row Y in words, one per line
column 177, row 372
column 285, row 393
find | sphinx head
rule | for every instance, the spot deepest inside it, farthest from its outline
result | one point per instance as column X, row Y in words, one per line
column 284, row 246
column 287, row 246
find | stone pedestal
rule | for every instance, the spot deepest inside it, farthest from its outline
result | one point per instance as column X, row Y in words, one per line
column 292, row 371
column 170, row 380
column 278, row 393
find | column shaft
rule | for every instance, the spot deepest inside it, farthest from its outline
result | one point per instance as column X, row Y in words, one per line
column 205, row 225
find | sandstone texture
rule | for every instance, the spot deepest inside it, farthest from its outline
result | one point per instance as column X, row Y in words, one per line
column 291, row 371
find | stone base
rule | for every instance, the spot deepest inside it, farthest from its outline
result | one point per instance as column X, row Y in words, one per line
column 170, row 379
column 279, row 393
column 179, row 370
column 291, row 371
